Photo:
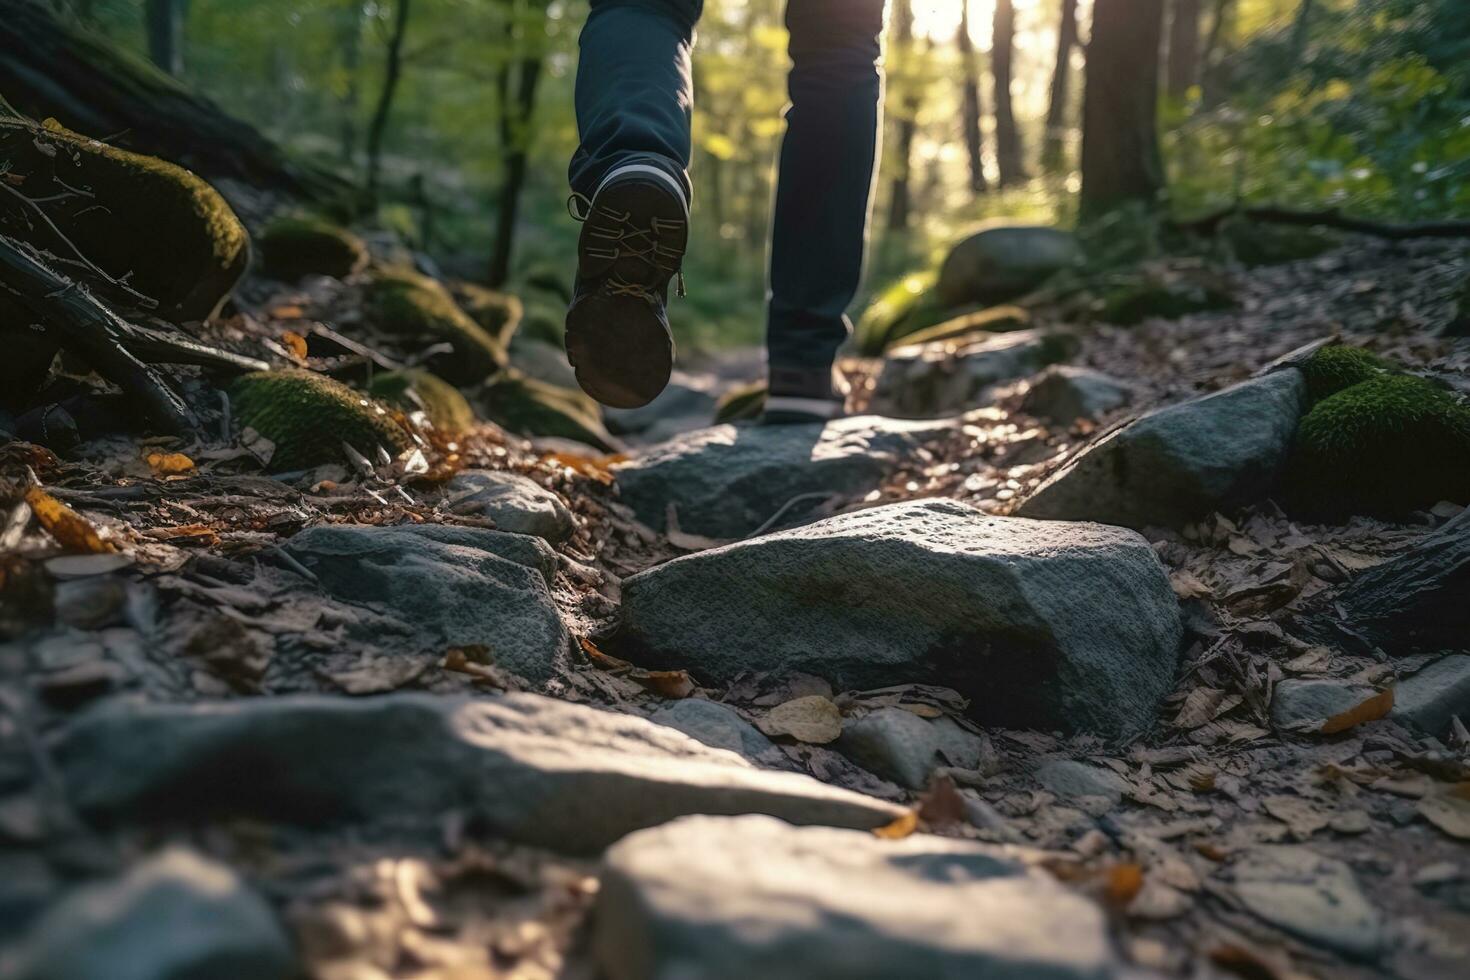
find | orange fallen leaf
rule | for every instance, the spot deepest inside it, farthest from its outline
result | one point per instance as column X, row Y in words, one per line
column 70, row 529
column 295, row 343
column 596, row 467
column 169, row 464
column 1376, row 707
column 602, row 660
column 664, row 683
column 288, row 311
column 1212, row 852
column 185, row 534
column 1124, row 881
column 1243, row 963
column 899, row 828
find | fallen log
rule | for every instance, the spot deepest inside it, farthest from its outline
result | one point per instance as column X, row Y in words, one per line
column 1328, row 218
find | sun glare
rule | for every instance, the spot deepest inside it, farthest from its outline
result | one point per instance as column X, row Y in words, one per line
column 938, row 19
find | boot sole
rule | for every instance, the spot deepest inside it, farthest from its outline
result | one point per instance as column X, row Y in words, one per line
column 621, row 350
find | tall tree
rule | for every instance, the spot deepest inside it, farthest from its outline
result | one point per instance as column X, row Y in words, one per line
column 349, row 53
column 902, row 32
column 1008, row 154
column 164, row 21
column 1053, row 148
column 393, row 68
column 1184, row 41
column 1213, row 63
column 1120, row 139
column 970, row 105
column 516, row 87
column 1301, row 31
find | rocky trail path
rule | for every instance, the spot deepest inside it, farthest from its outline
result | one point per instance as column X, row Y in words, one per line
column 1041, row 665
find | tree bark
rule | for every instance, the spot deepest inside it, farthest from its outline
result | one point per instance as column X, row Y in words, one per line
column 1184, row 46
column 1120, row 141
column 349, row 41
column 51, row 68
column 515, row 121
column 1301, row 32
column 392, row 70
column 164, row 20
column 1008, row 152
column 1053, row 150
column 899, row 201
column 970, row 103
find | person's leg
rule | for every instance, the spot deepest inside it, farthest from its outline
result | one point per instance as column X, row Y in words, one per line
column 828, row 159
column 633, row 101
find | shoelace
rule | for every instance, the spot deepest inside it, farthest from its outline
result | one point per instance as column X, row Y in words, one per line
column 627, row 241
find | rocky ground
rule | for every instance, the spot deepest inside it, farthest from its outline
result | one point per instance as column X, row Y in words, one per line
column 1039, row 679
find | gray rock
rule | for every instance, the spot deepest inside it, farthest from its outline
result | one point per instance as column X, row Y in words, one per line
column 456, row 586
column 900, row 746
column 1307, row 703
column 1312, row 897
column 932, row 380
column 1428, row 699
column 1073, row 780
column 1180, row 463
column 688, row 403
column 1062, row 394
column 1000, row 263
column 1417, row 600
column 718, row 726
column 1049, row 625
column 729, row 899
column 728, row 480
column 173, row 916
column 531, row 769
column 514, row 502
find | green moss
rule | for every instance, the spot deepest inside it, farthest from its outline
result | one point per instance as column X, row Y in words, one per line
column 1144, row 297
column 907, row 306
column 421, row 311
column 309, row 416
column 531, row 408
column 419, row 391
column 157, row 226
column 293, row 247
column 498, row 314
column 1336, row 367
column 742, row 402
column 997, row 319
column 1382, row 447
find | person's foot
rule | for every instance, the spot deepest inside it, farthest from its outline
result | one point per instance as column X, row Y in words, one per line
column 802, row 395
column 633, row 239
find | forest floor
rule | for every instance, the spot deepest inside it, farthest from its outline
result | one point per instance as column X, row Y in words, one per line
column 1223, row 842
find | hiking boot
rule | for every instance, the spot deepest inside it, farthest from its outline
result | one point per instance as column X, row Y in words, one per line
column 807, row 395
column 634, row 232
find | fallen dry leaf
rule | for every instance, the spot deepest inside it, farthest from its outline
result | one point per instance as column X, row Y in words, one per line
column 169, row 464
column 1376, row 707
column 1186, row 585
column 664, row 683
column 295, row 343
column 200, row 534
column 942, row 805
column 901, row 827
column 1122, row 884
column 1204, row 705
column 812, row 719
column 1244, row 963
column 1298, row 814
column 596, row 467
column 71, row 530
column 1449, row 811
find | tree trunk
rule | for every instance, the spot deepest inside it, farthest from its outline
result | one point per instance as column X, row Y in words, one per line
column 515, row 125
column 1008, row 154
column 1120, row 140
column 1212, row 60
column 392, row 70
column 1184, row 38
column 1301, row 32
column 1053, row 150
column 165, row 24
column 50, row 68
column 349, row 40
column 899, row 202
column 970, row 102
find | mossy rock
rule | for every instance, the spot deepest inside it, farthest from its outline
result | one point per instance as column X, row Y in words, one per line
column 1145, row 297
column 905, row 307
column 1255, row 243
column 1382, row 447
column 741, row 403
column 293, row 247
column 309, row 416
column 997, row 319
column 419, row 391
column 532, row 408
column 1001, row 262
column 420, row 311
column 157, row 226
column 1336, row 367
column 498, row 314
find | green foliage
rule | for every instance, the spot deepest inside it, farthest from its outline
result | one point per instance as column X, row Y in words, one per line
column 1336, row 367
column 419, row 391
column 1382, row 447
column 293, row 247
column 997, row 319
column 741, row 403
column 902, row 308
column 531, row 408
column 309, row 416
column 421, row 311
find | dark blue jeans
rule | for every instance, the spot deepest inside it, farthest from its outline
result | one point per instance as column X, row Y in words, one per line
column 634, row 96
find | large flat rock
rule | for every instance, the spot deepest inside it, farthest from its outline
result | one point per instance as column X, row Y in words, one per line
column 1416, row 601
column 708, row 898
column 1180, row 463
column 728, row 480
column 532, row 769
column 454, row 586
column 1042, row 624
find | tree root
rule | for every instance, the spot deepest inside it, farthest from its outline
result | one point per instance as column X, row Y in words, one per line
column 1330, row 218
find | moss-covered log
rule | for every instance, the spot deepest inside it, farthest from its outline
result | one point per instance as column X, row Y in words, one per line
column 50, row 68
